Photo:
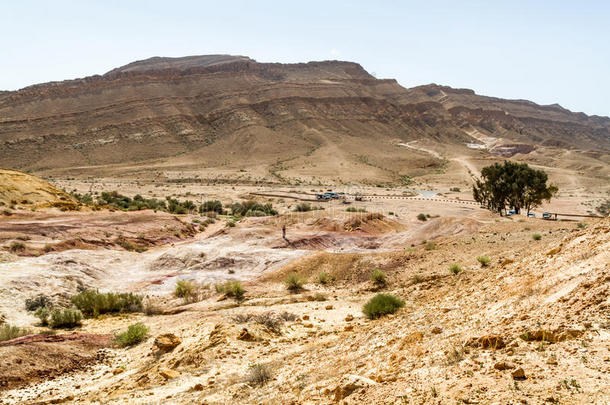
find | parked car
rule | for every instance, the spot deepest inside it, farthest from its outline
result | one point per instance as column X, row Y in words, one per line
column 531, row 215
column 546, row 215
column 322, row 196
column 332, row 194
column 511, row 212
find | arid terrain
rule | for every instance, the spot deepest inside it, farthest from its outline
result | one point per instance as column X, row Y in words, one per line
column 497, row 309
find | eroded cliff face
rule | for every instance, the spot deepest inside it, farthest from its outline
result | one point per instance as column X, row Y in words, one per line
column 221, row 106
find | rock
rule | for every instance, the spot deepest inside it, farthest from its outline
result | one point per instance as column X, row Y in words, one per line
column 305, row 317
column 553, row 251
column 349, row 318
column 308, row 325
column 558, row 335
column 118, row 370
column 198, row 387
column 436, row 330
column 246, row 336
column 167, row 342
column 329, row 307
column 487, row 342
column 502, row 365
column 168, row 374
column 519, row 374
column 348, row 328
column 350, row 383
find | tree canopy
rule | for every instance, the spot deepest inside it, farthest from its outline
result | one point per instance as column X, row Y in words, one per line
column 514, row 185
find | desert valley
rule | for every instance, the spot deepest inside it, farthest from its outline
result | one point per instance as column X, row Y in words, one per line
column 211, row 229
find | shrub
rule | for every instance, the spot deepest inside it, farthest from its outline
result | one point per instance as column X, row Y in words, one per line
column 17, row 247
column 430, row 246
column 351, row 209
column 231, row 289
column 43, row 313
column 455, row 189
column 93, row 303
column 231, row 224
column 303, row 207
column 455, row 268
column 8, row 332
column 319, row 297
column 294, row 282
column 184, row 288
column 211, row 206
column 536, row 236
column 135, row 334
column 324, row 278
column 422, row 217
column 258, row 374
column 252, row 208
column 581, row 225
column 65, row 318
column 378, row 277
column 32, row 304
column 382, row 304
column 484, row 260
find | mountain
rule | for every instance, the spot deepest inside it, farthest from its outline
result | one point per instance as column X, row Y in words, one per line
column 320, row 119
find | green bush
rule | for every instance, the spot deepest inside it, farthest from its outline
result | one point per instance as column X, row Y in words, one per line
column 32, row 304
column 324, row 278
column 455, row 268
column 378, row 277
column 135, row 334
column 294, row 282
column 8, row 332
column 581, row 225
column 231, row 289
column 211, row 206
column 382, row 304
column 430, row 246
column 65, row 318
column 422, row 217
column 484, row 260
column 303, row 207
column 252, row 208
column 536, row 236
column 184, row 288
column 93, row 303
column 43, row 313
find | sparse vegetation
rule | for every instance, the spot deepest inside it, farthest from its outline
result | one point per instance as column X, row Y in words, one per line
column 455, row 268
column 484, row 260
column 135, row 333
column 65, row 318
column 302, row 207
column 252, row 208
column 32, row 304
column 8, row 332
column 189, row 290
column 430, row 246
column 382, row 304
column 319, row 297
column 231, row 289
column 93, row 303
column 211, row 206
column 378, row 278
column 422, row 217
column 16, row 247
column 324, row 278
column 536, row 236
column 258, row 374
column 294, row 282
column 581, row 225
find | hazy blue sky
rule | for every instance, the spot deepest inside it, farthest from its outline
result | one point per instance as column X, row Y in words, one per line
column 546, row 51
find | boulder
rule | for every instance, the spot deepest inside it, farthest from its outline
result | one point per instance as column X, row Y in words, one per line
column 167, row 342
column 168, row 374
column 350, row 383
column 519, row 374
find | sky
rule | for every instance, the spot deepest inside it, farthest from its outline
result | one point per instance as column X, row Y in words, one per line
column 545, row 51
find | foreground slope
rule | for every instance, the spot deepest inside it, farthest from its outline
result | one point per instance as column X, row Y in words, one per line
column 24, row 189
column 532, row 327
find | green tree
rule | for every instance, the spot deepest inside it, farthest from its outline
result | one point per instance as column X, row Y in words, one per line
column 514, row 185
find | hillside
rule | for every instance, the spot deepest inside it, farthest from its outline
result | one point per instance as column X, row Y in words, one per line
column 316, row 120
column 17, row 188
